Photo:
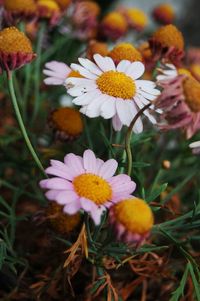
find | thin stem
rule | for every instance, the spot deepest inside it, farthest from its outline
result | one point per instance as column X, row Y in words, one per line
column 37, row 71
column 128, row 138
column 21, row 124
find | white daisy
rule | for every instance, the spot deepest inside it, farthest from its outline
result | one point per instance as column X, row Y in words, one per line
column 112, row 91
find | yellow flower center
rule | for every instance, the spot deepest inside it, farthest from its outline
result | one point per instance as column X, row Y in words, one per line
column 75, row 74
column 20, row 5
column 60, row 221
column 135, row 215
column 125, row 51
column 12, row 41
column 93, row 188
column 137, row 17
column 115, row 20
column 169, row 36
column 67, row 120
column 50, row 5
column 192, row 94
column 116, row 84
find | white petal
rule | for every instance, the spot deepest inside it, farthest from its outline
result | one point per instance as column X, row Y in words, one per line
column 104, row 63
column 83, row 71
column 90, row 66
column 85, row 99
column 108, row 109
column 123, row 112
column 123, row 66
column 116, row 123
column 135, row 70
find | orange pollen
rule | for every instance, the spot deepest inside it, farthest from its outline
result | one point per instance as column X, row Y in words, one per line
column 115, row 20
column 75, row 74
column 93, row 187
column 20, row 5
column 60, row 221
column 135, row 215
column 169, row 36
column 91, row 7
column 125, row 51
column 192, row 94
column 13, row 41
column 145, row 50
column 116, row 84
column 67, row 120
column 137, row 17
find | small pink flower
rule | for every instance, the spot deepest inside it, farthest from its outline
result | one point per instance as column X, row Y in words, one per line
column 56, row 72
column 86, row 183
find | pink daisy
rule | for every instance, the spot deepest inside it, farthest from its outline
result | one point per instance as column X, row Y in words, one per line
column 86, row 183
column 56, row 72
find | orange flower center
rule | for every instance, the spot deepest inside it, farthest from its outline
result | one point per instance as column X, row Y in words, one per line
column 169, row 36
column 116, row 84
column 20, row 5
column 192, row 94
column 137, row 17
column 93, row 187
column 125, row 51
column 135, row 215
column 68, row 120
column 115, row 20
column 12, row 41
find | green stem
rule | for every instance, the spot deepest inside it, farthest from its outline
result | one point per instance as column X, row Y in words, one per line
column 128, row 138
column 21, row 124
column 38, row 71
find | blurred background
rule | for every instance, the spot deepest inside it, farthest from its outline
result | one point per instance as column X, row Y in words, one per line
column 187, row 11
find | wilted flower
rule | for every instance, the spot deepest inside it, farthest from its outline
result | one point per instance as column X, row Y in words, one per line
column 86, row 183
column 132, row 220
column 167, row 43
column 125, row 51
column 112, row 92
column 66, row 123
column 19, row 9
column 164, row 13
column 113, row 26
column 85, row 19
column 15, row 49
column 180, row 100
column 136, row 18
column 60, row 221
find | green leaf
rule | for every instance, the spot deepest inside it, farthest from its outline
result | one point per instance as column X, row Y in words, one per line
column 195, row 281
column 179, row 292
column 156, row 192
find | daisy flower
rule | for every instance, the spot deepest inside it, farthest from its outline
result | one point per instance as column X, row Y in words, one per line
column 86, row 183
column 112, row 91
column 56, row 72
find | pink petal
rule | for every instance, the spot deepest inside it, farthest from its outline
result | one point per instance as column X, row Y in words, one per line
column 89, row 161
column 87, row 205
column 52, row 194
column 56, row 172
column 96, row 215
column 72, row 208
column 108, row 169
column 56, row 183
column 75, row 164
column 66, row 197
